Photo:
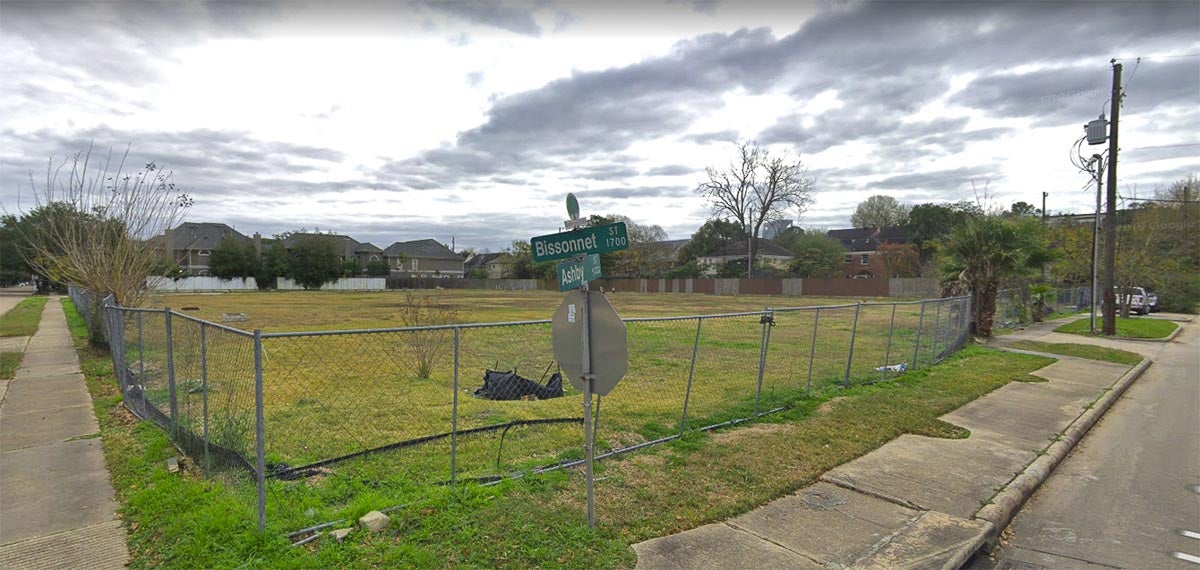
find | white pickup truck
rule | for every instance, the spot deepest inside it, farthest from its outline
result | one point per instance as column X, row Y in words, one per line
column 1139, row 301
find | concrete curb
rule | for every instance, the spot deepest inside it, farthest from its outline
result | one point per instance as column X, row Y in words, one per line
column 1005, row 505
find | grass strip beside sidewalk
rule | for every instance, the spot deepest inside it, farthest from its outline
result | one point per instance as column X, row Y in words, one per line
column 184, row 520
column 1126, row 327
column 9, row 363
column 1088, row 351
column 23, row 319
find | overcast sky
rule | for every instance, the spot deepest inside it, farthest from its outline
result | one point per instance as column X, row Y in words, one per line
column 395, row 121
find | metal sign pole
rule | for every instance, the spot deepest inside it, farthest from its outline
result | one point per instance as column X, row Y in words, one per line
column 585, row 326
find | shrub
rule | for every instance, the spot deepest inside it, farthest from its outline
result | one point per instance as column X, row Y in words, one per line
column 426, row 348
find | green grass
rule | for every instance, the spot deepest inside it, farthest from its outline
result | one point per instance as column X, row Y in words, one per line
column 9, row 363
column 184, row 520
column 1126, row 327
column 23, row 319
column 1081, row 350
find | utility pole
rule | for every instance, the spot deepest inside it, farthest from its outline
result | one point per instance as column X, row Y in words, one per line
column 1110, row 220
column 1096, row 238
column 1044, row 196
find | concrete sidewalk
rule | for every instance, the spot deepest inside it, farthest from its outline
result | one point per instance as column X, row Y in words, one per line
column 916, row 502
column 56, row 500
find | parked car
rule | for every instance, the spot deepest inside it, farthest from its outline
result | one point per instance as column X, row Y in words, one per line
column 1135, row 296
column 1152, row 300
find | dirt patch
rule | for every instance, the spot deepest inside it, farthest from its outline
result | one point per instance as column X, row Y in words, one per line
column 750, row 431
column 828, row 406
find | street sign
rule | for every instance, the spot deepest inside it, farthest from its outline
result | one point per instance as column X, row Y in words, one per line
column 606, row 336
column 597, row 239
column 572, row 207
column 575, row 272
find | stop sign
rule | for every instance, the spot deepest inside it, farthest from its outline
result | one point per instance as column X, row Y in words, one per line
column 610, row 353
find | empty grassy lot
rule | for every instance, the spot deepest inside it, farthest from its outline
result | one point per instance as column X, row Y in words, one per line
column 190, row 520
column 332, row 395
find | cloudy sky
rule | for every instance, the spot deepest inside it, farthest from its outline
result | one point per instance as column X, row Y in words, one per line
column 473, row 119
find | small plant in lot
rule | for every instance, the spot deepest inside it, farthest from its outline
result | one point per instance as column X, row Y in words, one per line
column 426, row 348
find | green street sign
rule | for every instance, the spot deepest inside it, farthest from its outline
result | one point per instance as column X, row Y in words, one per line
column 597, row 239
column 572, row 207
column 573, row 273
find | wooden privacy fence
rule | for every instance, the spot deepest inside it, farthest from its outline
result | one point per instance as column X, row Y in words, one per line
column 907, row 288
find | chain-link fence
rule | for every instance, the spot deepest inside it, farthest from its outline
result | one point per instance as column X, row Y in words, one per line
column 483, row 402
column 1015, row 306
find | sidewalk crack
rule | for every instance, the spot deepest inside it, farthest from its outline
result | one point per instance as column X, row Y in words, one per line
column 736, row 527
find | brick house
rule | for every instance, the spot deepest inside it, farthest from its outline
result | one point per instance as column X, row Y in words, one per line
column 423, row 258
column 862, row 260
column 191, row 243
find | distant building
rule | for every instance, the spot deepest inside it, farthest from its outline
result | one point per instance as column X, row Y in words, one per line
column 663, row 256
column 424, row 258
column 768, row 253
column 775, row 228
column 496, row 265
column 347, row 248
column 191, row 243
column 862, row 261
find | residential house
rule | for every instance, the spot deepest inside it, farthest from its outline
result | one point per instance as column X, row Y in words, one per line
column 191, row 243
column 862, row 261
column 769, row 254
column 347, row 248
column 497, row 265
column 663, row 256
column 423, row 258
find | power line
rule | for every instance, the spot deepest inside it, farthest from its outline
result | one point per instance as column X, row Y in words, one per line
column 1154, row 57
column 1162, row 146
column 1160, row 200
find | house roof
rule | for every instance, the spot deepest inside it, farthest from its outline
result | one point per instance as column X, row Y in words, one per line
column 764, row 248
column 202, row 235
column 346, row 245
column 481, row 260
column 668, row 248
column 867, row 239
column 422, row 249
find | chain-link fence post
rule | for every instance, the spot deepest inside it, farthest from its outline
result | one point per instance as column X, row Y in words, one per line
column 887, row 355
column 454, row 414
column 204, row 392
column 937, row 332
column 259, row 432
column 812, row 352
column 917, row 344
column 768, row 321
column 687, row 395
column 853, row 335
column 142, row 365
column 172, row 404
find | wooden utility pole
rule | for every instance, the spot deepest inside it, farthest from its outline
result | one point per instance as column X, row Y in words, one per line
column 1110, row 220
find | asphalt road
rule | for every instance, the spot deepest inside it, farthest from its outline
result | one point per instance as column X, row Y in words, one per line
column 1129, row 495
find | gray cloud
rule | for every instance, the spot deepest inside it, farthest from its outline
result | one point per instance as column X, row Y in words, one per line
column 671, row 170
column 491, row 13
column 939, row 181
column 726, row 136
column 638, row 192
column 606, row 172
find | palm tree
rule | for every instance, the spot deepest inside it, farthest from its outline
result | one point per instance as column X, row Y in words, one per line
column 982, row 252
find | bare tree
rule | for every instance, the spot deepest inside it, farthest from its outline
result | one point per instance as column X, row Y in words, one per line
column 879, row 211
column 758, row 187
column 104, row 216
